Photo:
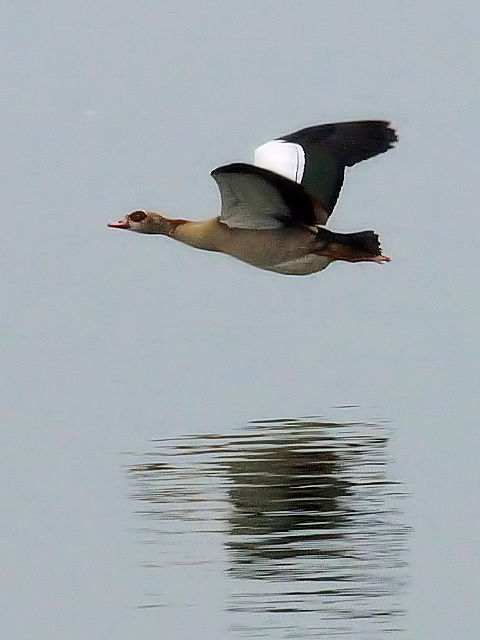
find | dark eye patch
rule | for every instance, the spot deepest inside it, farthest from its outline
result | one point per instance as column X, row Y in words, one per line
column 137, row 216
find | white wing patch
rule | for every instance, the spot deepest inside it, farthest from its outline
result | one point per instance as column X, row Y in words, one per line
column 284, row 158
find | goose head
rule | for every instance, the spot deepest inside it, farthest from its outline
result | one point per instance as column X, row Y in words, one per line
column 143, row 222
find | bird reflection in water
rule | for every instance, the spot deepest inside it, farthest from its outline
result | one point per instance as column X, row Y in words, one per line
column 311, row 522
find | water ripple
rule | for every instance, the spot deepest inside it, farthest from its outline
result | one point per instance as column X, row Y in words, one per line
column 310, row 522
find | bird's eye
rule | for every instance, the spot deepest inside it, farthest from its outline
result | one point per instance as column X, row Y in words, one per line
column 137, row 216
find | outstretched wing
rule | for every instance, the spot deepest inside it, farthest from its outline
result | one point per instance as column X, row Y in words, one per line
column 255, row 198
column 316, row 157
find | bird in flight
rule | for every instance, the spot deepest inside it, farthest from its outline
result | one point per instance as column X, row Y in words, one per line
column 274, row 211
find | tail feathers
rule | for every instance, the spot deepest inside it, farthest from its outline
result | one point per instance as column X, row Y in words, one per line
column 361, row 241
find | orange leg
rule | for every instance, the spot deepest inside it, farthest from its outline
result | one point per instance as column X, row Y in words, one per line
column 343, row 252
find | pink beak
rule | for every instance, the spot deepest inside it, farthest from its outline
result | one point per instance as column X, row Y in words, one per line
column 121, row 224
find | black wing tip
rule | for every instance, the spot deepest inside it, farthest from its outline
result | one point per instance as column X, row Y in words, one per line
column 380, row 136
column 325, row 130
column 348, row 142
column 377, row 129
column 383, row 129
column 384, row 125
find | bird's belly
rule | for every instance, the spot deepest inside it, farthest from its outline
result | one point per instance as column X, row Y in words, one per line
column 287, row 251
column 304, row 266
column 290, row 264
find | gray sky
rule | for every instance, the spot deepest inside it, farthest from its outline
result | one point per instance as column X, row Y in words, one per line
column 111, row 339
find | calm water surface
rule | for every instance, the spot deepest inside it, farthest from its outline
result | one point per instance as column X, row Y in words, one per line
column 304, row 517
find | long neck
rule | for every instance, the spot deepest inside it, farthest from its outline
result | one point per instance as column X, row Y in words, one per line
column 204, row 234
column 158, row 224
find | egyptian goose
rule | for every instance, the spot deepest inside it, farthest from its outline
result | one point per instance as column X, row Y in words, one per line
column 273, row 212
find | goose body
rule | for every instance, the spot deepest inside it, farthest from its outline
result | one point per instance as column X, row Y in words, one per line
column 274, row 211
column 285, row 250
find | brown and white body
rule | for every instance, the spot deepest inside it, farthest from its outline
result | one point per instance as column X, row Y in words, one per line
column 273, row 213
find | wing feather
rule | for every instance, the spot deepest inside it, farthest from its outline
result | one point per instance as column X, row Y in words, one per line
column 256, row 198
column 316, row 156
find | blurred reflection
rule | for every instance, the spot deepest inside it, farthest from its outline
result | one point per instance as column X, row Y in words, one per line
column 310, row 521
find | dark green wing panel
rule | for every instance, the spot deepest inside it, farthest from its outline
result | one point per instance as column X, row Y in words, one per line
column 323, row 177
column 329, row 148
